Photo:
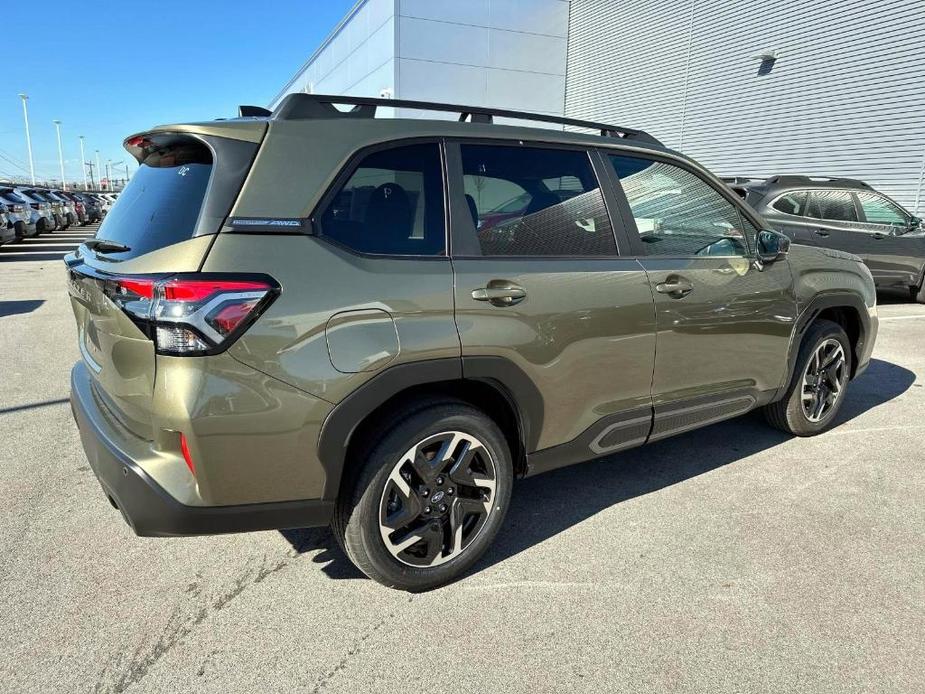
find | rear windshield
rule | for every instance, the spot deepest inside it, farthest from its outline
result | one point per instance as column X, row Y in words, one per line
column 160, row 205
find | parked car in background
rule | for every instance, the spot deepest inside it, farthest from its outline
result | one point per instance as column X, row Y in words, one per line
column 354, row 352
column 107, row 200
column 79, row 207
column 92, row 207
column 19, row 213
column 7, row 233
column 54, row 207
column 43, row 217
column 848, row 215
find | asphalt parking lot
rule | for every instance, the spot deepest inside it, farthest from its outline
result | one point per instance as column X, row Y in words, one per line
column 733, row 559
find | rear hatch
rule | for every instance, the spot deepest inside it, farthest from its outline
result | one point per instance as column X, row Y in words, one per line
column 159, row 229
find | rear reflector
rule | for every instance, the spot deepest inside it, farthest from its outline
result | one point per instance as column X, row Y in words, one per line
column 184, row 447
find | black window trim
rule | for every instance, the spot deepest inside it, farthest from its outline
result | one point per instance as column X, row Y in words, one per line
column 349, row 168
column 464, row 242
column 709, row 179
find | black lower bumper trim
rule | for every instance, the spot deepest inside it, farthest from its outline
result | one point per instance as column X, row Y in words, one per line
column 150, row 510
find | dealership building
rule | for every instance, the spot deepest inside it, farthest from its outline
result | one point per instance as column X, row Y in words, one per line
column 819, row 87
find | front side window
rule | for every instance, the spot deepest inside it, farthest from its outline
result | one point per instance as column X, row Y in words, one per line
column 392, row 204
column 878, row 210
column 679, row 214
column 535, row 201
column 791, row 203
column 832, row 205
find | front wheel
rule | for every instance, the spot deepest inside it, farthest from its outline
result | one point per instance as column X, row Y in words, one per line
column 818, row 385
column 429, row 496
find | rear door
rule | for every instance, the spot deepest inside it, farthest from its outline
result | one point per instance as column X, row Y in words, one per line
column 896, row 247
column 164, row 220
column 541, row 285
column 834, row 222
column 723, row 323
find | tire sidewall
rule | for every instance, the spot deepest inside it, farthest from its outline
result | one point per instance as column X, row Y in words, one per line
column 362, row 524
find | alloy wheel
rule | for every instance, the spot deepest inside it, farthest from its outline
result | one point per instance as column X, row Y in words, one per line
column 824, row 380
column 437, row 499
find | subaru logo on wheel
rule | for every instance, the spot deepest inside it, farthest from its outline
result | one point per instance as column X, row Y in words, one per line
column 436, row 498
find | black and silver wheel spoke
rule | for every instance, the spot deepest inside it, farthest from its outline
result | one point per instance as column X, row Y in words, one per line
column 437, row 499
column 824, row 380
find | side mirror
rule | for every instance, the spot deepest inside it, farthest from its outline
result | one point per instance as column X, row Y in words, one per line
column 771, row 246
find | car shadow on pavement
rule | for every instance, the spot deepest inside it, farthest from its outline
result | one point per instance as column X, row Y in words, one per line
column 12, row 308
column 548, row 504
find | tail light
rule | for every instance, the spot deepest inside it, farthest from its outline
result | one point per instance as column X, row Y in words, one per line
column 19, row 208
column 192, row 314
column 36, row 206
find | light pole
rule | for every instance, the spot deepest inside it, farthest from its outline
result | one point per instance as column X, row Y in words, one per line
column 60, row 153
column 83, row 162
column 109, row 175
column 25, row 115
column 99, row 170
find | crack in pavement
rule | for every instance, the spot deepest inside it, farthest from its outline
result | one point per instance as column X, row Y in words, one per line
column 115, row 679
column 355, row 648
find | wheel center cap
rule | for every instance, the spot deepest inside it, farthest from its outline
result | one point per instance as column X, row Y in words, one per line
column 437, row 497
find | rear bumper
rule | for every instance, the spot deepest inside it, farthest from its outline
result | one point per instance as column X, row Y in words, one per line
column 152, row 511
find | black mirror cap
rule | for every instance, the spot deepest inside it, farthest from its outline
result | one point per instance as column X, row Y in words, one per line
column 771, row 245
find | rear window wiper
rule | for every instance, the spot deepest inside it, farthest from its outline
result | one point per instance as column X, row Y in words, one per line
column 106, row 246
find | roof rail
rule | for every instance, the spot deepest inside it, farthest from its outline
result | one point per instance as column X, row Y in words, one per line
column 299, row 106
column 792, row 179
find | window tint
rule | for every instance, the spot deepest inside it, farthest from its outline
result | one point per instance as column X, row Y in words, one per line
column 835, row 205
column 791, row 203
column 879, row 210
column 392, row 204
column 679, row 214
column 160, row 205
column 535, row 201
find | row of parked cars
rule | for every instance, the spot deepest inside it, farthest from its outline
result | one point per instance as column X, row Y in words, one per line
column 27, row 212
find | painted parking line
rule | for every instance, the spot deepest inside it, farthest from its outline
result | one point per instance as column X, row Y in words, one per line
column 918, row 315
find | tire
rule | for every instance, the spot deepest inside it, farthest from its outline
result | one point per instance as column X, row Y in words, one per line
column 440, row 554
column 789, row 414
column 19, row 228
column 919, row 294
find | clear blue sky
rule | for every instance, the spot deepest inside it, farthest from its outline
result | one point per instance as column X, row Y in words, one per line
column 108, row 69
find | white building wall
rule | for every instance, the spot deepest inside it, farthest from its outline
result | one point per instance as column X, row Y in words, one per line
column 357, row 58
column 844, row 97
column 499, row 53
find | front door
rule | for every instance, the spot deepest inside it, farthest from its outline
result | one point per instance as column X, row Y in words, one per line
column 541, row 289
column 723, row 323
column 895, row 248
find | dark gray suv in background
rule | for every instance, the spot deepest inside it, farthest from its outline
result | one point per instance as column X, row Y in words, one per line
column 846, row 214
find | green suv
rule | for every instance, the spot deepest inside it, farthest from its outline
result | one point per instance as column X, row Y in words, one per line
column 314, row 316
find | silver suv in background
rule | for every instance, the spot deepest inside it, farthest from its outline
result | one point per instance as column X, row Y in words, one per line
column 36, row 214
column 19, row 213
column 848, row 215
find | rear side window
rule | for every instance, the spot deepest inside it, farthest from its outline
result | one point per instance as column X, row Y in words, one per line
column 791, row 203
column 679, row 214
column 878, row 210
column 533, row 201
column 834, row 205
column 160, row 206
column 392, row 204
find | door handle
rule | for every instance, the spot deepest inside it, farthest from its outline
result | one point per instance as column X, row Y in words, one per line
column 821, row 232
column 500, row 295
column 675, row 287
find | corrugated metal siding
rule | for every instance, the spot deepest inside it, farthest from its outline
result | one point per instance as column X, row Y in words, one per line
column 846, row 96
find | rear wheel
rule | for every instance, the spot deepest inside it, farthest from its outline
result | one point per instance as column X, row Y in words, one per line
column 429, row 497
column 818, row 385
column 919, row 294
